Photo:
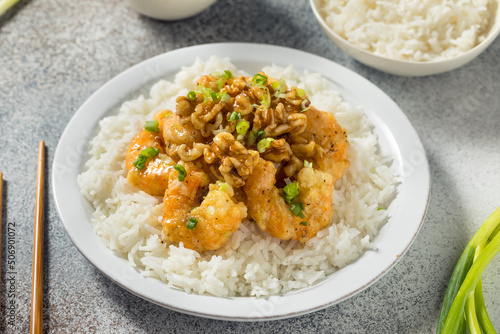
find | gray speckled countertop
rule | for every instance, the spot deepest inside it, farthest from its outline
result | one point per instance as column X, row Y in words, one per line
column 55, row 53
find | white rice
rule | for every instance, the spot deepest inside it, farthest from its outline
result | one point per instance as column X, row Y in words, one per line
column 418, row 30
column 252, row 263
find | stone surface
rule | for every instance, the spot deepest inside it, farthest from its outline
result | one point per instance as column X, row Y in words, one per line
column 55, row 53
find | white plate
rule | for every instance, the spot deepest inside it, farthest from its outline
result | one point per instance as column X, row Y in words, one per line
column 398, row 139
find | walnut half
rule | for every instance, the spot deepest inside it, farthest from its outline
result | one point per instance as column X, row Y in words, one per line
column 279, row 150
column 236, row 162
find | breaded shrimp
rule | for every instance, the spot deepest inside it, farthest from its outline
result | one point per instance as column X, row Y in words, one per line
column 161, row 117
column 217, row 217
column 182, row 140
column 175, row 131
column 152, row 178
column 272, row 214
column 323, row 129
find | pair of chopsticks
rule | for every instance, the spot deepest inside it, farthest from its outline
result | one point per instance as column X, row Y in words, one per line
column 37, row 281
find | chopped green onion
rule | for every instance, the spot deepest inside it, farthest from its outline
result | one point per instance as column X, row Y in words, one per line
column 259, row 80
column 191, row 223
column 307, row 164
column 223, row 187
column 279, row 88
column 140, row 162
column 235, row 116
column 220, row 83
column 263, row 144
column 303, row 223
column 305, row 105
column 297, row 209
column 181, row 172
column 216, row 75
column 266, row 99
column 275, row 85
column 242, row 127
column 227, row 74
column 291, row 191
column 213, row 95
column 224, row 97
column 207, row 92
column 191, row 96
column 240, row 137
column 300, row 92
column 228, row 233
column 150, row 152
column 152, row 126
column 254, row 136
column 282, row 85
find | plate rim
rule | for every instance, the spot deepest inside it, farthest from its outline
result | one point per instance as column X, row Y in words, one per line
column 59, row 158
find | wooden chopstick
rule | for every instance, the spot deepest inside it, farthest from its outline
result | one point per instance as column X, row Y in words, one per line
column 37, row 279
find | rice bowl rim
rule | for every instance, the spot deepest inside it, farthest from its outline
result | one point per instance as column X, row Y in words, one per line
column 408, row 67
column 397, row 138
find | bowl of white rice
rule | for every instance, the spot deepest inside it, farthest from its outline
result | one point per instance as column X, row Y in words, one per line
column 410, row 38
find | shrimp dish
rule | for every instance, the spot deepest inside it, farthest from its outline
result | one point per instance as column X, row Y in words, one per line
column 238, row 146
column 226, row 183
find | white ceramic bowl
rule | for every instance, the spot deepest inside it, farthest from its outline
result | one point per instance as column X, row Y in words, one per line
column 406, row 67
column 170, row 10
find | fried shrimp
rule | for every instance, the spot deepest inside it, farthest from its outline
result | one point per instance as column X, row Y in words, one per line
column 323, row 142
column 182, row 140
column 152, row 177
column 279, row 158
column 273, row 214
column 200, row 224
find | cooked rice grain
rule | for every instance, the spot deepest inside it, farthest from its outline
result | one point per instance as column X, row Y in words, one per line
column 414, row 30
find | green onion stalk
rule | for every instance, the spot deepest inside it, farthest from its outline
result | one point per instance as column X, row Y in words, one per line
column 5, row 5
column 463, row 303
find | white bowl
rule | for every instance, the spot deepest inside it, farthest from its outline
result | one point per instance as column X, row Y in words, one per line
column 406, row 67
column 170, row 10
